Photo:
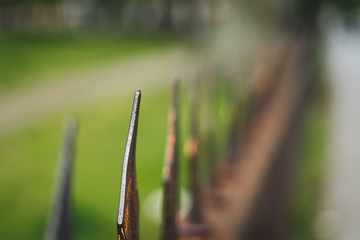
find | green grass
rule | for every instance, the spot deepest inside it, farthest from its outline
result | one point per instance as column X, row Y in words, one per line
column 28, row 160
column 28, row 157
column 25, row 59
column 309, row 182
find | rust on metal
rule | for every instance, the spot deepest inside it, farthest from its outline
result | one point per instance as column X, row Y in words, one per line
column 59, row 220
column 128, row 215
column 170, row 171
column 264, row 138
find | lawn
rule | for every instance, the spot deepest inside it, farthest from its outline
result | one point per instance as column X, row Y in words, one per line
column 28, row 156
column 28, row 161
column 28, row 59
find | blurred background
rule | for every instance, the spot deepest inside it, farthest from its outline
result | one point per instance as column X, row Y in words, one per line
column 85, row 58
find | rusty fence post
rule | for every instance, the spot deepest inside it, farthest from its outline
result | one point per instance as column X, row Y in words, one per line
column 128, row 215
column 170, row 172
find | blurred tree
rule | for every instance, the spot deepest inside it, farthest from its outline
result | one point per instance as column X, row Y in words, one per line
column 308, row 12
column 167, row 14
column 113, row 9
column 346, row 5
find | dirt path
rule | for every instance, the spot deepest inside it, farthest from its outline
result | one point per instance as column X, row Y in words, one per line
column 117, row 78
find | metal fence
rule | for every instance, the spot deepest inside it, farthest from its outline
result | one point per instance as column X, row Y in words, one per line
column 248, row 192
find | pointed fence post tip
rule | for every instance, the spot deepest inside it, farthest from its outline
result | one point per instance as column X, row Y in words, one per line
column 128, row 215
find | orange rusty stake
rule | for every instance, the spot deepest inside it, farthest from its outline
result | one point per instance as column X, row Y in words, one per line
column 170, row 172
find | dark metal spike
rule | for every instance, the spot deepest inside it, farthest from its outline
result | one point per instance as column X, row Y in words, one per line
column 59, row 220
column 128, row 215
column 192, row 146
column 170, row 171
